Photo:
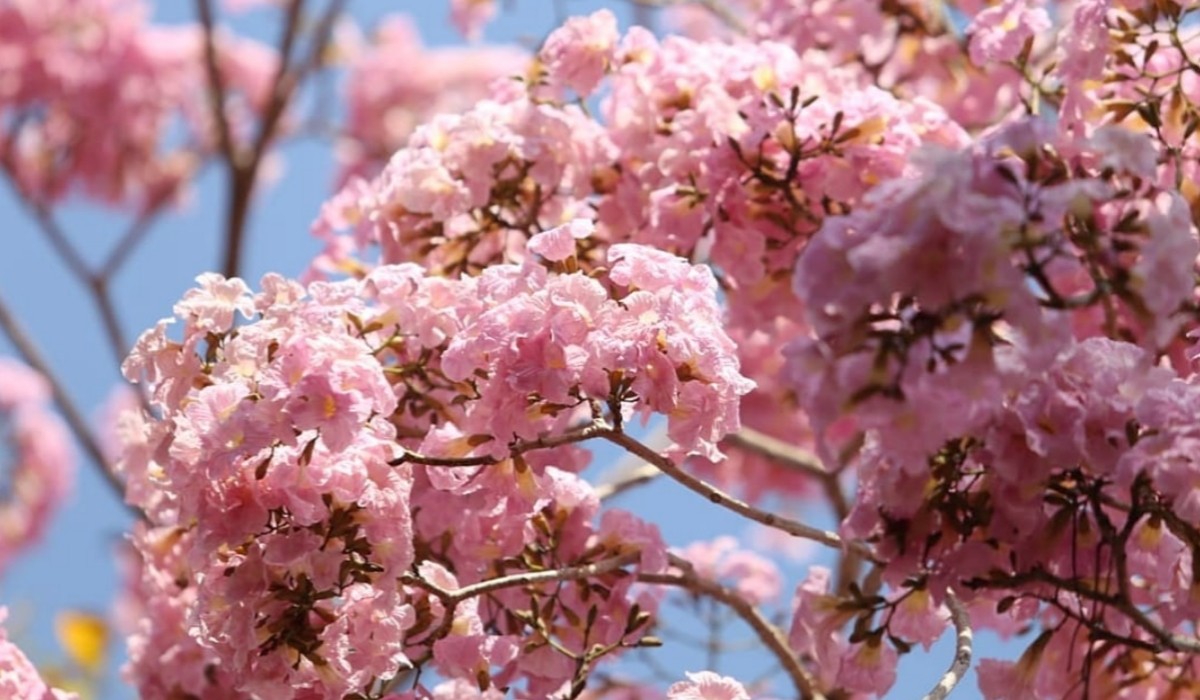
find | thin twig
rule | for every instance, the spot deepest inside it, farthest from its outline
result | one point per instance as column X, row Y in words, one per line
column 770, row 635
column 962, row 650
column 599, row 429
column 33, row 357
column 60, row 242
column 789, row 455
column 806, row 462
column 627, row 479
column 719, row 497
column 570, row 573
column 216, row 83
column 127, row 244
column 588, row 432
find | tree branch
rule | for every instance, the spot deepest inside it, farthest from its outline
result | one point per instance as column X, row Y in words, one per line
column 719, row 497
column 592, row 430
column 626, row 480
column 96, row 282
column 777, row 450
column 808, row 463
column 33, row 357
column 962, row 650
column 770, row 635
column 570, row 573
column 216, row 83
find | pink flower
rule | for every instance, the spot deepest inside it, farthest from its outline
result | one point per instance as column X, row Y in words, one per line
column 707, row 685
column 998, row 33
column 40, row 466
column 918, row 619
column 622, row 530
column 579, row 53
column 558, row 244
column 869, row 668
column 469, row 16
column 756, row 578
column 18, row 677
column 211, row 308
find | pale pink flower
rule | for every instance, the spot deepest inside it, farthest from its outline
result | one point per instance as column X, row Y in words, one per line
column 706, row 685
column 212, row 306
column 999, row 32
column 40, row 461
column 578, row 54
column 470, row 16
column 558, row 244
column 18, row 676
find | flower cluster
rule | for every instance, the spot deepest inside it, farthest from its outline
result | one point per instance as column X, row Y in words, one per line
column 18, row 677
column 38, row 464
column 848, row 225
column 310, row 468
column 386, row 99
column 70, row 64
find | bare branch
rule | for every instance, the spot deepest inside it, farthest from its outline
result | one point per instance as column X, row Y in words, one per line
column 770, row 635
column 127, row 244
column 588, row 432
column 243, row 168
column 216, row 83
column 789, row 455
column 97, row 283
column 719, row 497
column 627, row 479
column 33, row 357
column 570, row 573
column 962, row 650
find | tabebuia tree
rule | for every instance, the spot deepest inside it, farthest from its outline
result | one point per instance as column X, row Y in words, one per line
column 930, row 263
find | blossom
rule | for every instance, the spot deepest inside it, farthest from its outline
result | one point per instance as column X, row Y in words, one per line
column 999, row 32
column 706, row 685
column 470, row 16
column 578, row 53
column 558, row 244
column 18, row 677
column 42, row 466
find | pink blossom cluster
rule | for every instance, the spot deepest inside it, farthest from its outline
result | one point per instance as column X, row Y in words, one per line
column 960, row 319
column 911, row 49
column 730, row 154
column 395, row 85
column 38, row 464
column 307, row 477
column 69, row 65
column 18, row 677
column 470, row 189
column 755, row 577
column 928, row 295
column 797, row 223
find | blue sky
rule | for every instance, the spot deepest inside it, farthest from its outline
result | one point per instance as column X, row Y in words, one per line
column 74, row 568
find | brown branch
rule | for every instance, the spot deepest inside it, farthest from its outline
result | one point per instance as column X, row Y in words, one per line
column 770, row 635
column 216, row 83
column 75, row 420
column 127, row 244
column 243, row 172
column 626, row 480
column 588, row 432
column 779, row 451
column 570, row 573
column 806, row 462
column 962, row 650
column 725, row 500
column 97, row 283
